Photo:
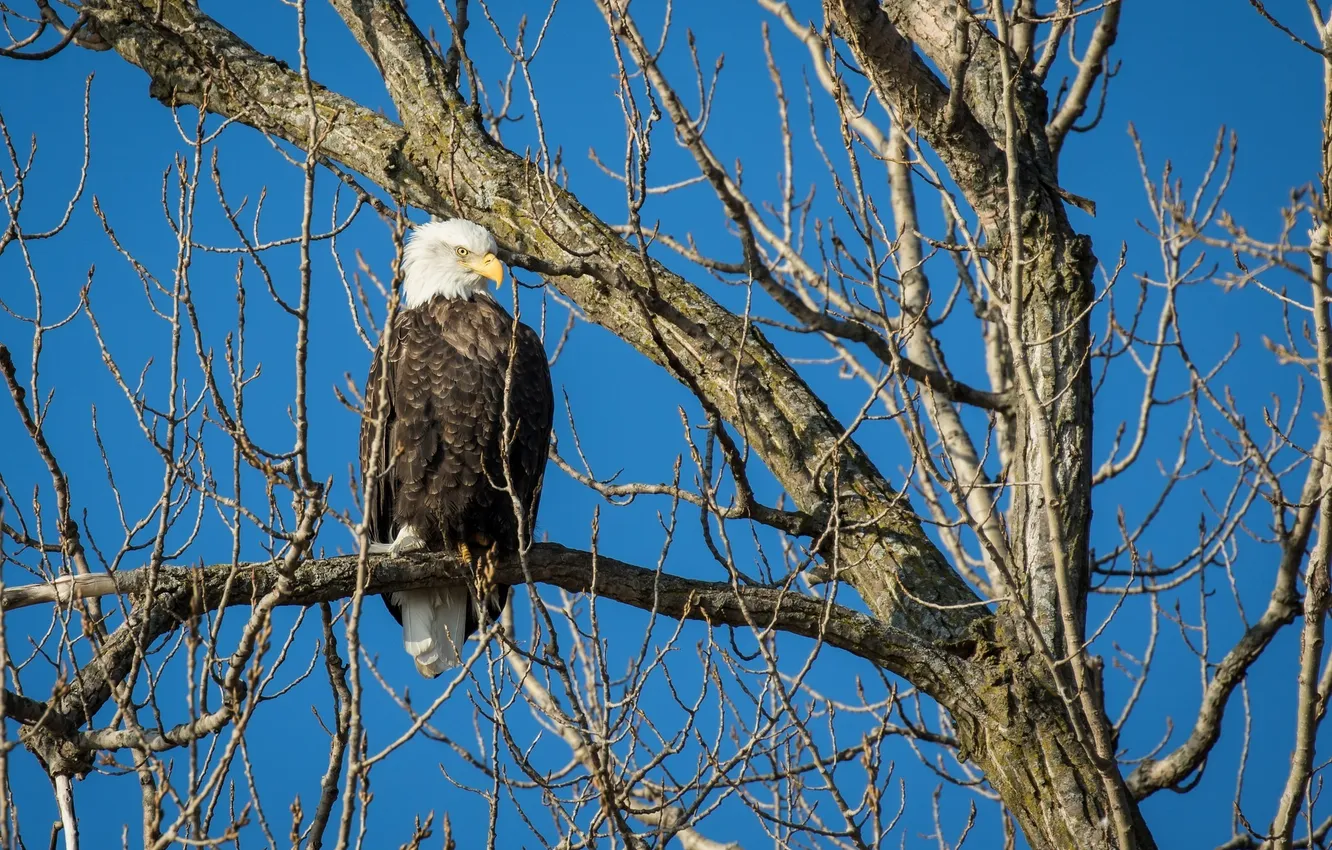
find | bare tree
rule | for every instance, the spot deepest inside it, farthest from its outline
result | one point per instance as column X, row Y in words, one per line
column 959, row 597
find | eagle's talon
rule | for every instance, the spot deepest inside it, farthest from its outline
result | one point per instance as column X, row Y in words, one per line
column 485, row 572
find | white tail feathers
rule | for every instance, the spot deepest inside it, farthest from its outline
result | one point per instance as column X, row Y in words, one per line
column 433, row 620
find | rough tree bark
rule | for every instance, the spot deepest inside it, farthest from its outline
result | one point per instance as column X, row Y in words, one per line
column 1019, row 716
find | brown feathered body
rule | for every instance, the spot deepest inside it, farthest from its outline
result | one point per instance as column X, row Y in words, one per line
column 468, row 421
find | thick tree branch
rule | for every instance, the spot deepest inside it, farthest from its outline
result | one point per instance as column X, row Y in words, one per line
column 418, row 81
column 192, row 60
column 30, row 712
column 921, row 99
column 208, row 588
column 883, row 38
column 980, row 681
column 931, row 27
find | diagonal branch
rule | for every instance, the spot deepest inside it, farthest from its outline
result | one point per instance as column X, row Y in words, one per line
column 884, row 38
column 193, row 60
column 1090, row 68
column 903, row 79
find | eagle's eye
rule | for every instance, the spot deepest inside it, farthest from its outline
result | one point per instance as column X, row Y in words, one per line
column 462, row 252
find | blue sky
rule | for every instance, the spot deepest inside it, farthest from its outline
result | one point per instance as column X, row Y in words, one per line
column 1185, row 73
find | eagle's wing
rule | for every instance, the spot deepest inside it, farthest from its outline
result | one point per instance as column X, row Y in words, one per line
column 379, row 511
column 532, row 398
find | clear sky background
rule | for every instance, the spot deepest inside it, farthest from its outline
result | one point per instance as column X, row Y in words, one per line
column 1188, row 69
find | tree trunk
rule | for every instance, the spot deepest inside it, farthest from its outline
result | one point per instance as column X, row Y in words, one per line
column 1014, row 725
column 1056, row 336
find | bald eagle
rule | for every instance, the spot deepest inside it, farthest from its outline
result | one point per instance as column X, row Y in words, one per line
column 465, row 434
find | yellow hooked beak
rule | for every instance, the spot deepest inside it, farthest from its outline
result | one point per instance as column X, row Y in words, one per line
column 488, row 267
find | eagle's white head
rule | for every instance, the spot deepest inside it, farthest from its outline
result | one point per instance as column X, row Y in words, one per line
column 453, row 258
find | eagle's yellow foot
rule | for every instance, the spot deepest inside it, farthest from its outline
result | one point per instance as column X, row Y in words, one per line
column 465, row 553
column 485, row 571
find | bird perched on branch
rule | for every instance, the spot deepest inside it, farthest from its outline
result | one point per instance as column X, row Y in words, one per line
column 458, row 419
